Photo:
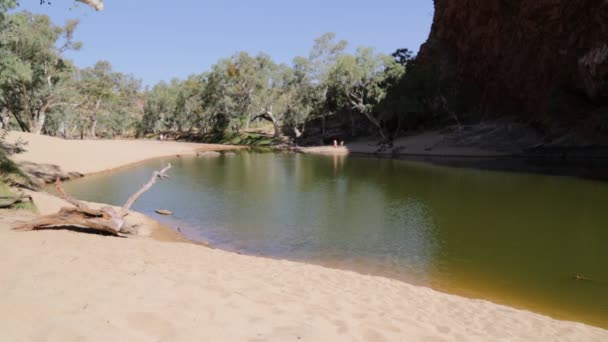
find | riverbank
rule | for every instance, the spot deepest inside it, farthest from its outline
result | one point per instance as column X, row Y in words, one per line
column 423, row 144
column 478, row 149
column 46, row 158
column 62, row 285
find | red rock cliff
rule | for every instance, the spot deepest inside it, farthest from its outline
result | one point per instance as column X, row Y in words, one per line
column 546, row 58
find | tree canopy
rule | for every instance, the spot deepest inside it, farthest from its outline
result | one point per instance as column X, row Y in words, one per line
column 41, row 91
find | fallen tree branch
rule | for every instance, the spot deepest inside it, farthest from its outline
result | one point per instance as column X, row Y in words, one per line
column 106, row 220
column 69, row 217
column 156, row 176
column 81, row 206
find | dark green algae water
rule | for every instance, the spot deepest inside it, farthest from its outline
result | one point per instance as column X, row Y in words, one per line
column 515, row 239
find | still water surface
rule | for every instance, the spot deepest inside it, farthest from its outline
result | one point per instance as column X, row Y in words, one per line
column 516, row 239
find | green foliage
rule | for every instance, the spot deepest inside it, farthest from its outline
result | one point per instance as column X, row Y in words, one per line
column 5, row 6
column 404, row 57
column 122, row 113
column 159, row 106
column 235, row 91
column 5, row 190
column 242, row 88
column 359, row 83
column 43, row 92
column 300, row 92
column 35, row 78
column 324, row 54
column 243, row 139
column 11, row 174
column 103, row 103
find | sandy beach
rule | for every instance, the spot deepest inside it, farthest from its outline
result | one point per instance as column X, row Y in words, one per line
column 68, row 286
column 50, row 157
column 424, row 144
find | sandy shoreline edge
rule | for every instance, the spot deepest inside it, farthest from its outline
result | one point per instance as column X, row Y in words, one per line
column 192, row 292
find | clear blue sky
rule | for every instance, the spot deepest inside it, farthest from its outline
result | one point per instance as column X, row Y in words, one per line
column 160, row 39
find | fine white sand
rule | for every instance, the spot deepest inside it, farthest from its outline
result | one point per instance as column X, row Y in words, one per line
column 90, row 156
column 67, row 286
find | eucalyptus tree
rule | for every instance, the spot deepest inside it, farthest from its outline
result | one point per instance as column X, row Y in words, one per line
column 404, row 56
column 244, row 88
column 107, row 103
column 124, row 109
column 188, row 111
column 98, row 88
column 159, row 106
column 272, row 96
column 250, row 79
column 269, row 91
column 175, row 106
column 35, row 79
column 301, row 93
column 5, row 5
column 325, row 52
column 231, row 94
column 219, row 106
column 359, row 82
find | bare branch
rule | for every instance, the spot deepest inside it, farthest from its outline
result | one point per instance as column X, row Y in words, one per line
column 73, row 105
column 263, row 116
column 69, row 217
column 81, row 206
column 95, row 4
column 107, row 219
column 156, row 176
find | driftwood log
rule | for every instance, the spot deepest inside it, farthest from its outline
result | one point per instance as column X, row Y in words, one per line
column 9, row 201
column 106, row 220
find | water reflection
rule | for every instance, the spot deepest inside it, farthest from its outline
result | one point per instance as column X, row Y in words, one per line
column 516, row 239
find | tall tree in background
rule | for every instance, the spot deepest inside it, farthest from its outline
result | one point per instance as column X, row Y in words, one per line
column 5, row 5
column 235, row 90
column 188, row 110
column 359, row 82
column 99, row 87
column 44, row 92
column 123, row 112
column 273, row 97
column 324, row 53
column 219, row 105
column 159, row 106
column 243, row 88
column 34, row 76
column 300, row 90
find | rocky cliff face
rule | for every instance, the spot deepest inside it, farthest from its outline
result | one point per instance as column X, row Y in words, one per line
column 545, row 58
